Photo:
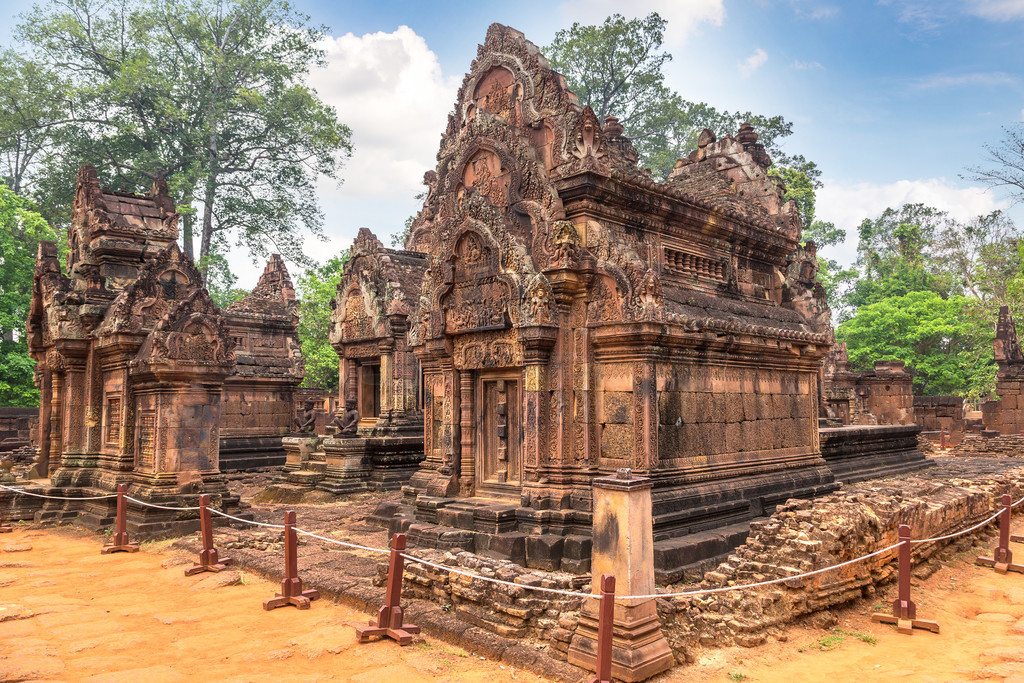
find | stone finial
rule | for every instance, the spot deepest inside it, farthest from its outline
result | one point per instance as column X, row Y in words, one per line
column 612, row 127
column 624, row 473
column 747, row 135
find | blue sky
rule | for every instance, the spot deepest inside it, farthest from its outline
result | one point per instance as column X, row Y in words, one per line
column 892, row 99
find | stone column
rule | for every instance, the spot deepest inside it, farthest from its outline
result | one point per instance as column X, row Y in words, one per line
column 56, row 421
column 41, row 468
column 467, row 481
column 624, row 548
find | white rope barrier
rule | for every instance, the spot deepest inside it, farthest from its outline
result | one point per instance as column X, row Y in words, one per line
column 543, row 589
column 246, row 521
column 575, row 594
column 39, row 495
column 160, row 507
column 344, row 543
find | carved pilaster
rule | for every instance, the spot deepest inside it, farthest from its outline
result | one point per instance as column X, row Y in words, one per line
column 645, row 416
column 467, row 480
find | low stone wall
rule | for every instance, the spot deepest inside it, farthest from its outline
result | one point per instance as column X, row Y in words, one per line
column 935, row 413
column 801, row 536
column 19, row 427
column 506, row 610
column 871, row 451
column 991, row 444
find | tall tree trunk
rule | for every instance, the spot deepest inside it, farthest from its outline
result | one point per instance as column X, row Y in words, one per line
column 186, row 236
column 208, row 197
column 204, row 248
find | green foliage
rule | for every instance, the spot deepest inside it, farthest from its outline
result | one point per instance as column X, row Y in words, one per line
column 317, row 288
column 21, row 229
column 943, row 341
column 616, row 69
column 211, row 94
column 220, row 281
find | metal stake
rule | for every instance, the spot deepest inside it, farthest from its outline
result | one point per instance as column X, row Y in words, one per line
column 291, row 586
column 208, row 560
column 1002, row 557
column 904, row 611
column 390, row 617
column 121, row 543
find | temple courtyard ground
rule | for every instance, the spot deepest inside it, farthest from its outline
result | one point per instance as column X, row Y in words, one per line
column 69, row 613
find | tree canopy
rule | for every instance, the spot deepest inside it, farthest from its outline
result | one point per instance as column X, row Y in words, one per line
column 616, row 69
column 211, row 94
column 317, row 287
column 21, row 229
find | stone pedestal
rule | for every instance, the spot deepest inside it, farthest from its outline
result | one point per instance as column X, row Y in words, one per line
column 348, row 466
column 624, row 548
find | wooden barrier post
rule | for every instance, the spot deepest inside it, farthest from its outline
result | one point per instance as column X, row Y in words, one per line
column 291, row 586
column 121, row 543
column 208, row 559
column 390, row 617
column 1002, row 556
column 605, row 627
column 904, row 611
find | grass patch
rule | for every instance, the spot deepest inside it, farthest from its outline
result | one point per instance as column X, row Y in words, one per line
column 838, row 635
column 737, row 676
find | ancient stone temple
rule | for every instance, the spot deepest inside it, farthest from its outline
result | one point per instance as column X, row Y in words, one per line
column 579, row 316
column 882, row 395
column 378, row 374
column 1006, row 415
column 132, row 355
column 257, row 401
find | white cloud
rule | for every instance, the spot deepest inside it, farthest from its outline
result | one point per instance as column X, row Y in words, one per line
column 848, row 205
column 390, row 90
column 996, row 10
column 980, row 78
column 753, row 62
column 684, row 17
column 805, row 66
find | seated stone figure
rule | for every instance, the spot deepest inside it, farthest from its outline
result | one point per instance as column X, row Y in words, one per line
column 346, row 423
column 306, row 424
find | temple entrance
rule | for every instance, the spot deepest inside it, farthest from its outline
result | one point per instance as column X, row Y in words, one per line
column 499, row 467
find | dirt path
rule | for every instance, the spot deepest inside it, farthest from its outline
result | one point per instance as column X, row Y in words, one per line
column 69, row 613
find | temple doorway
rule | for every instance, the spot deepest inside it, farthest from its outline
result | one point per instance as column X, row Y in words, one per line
column 499, row 468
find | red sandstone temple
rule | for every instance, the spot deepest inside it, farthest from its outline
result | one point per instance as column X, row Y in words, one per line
column 577, row 317
column 143, row 379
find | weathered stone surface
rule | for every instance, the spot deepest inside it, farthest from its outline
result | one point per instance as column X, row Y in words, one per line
column 575, row 316
column 132, row 354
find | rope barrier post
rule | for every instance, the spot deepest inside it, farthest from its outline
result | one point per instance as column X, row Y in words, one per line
column 1002, row 556
column 904, row 611
column 291, row 586
column 121, row 543
column 390, row 617
column 208, row 559
column 605, row 626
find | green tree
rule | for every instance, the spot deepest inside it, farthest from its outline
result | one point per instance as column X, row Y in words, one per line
column 317, row 288
column 21, row 229
column 616, row 69
column 211, row 94
column 220, row 281
column 943, row 342
column 896, row 255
